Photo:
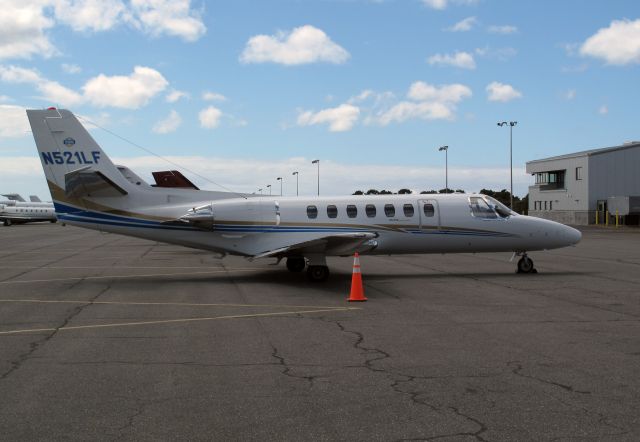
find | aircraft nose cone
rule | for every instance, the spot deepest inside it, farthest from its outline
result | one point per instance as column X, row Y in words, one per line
column 573, row 235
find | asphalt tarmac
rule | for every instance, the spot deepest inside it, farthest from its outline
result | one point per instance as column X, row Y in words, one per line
column 104, row 337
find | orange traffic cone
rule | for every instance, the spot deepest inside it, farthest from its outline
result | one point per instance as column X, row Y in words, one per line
column 357, row 292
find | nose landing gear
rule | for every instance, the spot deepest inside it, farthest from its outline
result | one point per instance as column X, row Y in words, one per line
column 525, row 264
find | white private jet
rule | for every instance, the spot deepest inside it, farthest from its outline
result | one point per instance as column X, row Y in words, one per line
column 15, row 210
column 88, row 190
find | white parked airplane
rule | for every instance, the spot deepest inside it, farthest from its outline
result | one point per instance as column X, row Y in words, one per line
column 88, row 190
column 15, row 210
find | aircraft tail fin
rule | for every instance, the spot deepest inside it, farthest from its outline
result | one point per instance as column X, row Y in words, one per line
column 74, row 164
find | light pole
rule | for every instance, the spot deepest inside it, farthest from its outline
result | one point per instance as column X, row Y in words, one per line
column 318, row 163
column 280, row 179
column 296, row 174
column 446, row 167
column 269, row 186
column 511, row 124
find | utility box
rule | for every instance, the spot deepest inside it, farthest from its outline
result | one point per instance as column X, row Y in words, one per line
column 624, row 205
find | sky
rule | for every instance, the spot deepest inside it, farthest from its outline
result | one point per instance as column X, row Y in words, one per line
column 240, row 93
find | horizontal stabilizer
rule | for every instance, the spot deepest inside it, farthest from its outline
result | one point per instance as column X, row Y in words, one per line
column 87, row 182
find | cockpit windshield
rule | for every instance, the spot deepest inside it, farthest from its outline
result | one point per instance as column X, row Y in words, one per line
column 488, row 208
column 502, row 210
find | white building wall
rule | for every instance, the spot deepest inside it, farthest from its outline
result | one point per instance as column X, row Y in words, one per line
column 569, row 205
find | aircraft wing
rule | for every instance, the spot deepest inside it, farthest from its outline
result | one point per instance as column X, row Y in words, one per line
column 336, row 244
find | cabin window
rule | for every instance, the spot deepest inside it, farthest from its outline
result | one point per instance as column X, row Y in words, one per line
column 408, row 210
column 370, row 210
column 429, row 210
column 480, row 208
column 389, row 210
column 352, row 211
column 312, row 212
column 332, row 211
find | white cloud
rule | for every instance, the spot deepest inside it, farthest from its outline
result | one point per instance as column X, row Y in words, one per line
column 340, row 119
column 210, row 117
column 51, row 91
column 5, row 99
column 13, row 122
column 449, row 93
column 302, row 45
column 22, row 30
column 24, row 23
column 442, row 4
column 90, row 15
column 570, row 94
column 168, row 124
column 170, row 17
column 502, row 92
column 500, row 54
column 619, row 44
column 464, row 25
column 130, row 92
column 71, row 68
column 213, row 96
column 175, row 95
column 428, row 103
column 604, row 110
column 504, row 29
column 463, row 60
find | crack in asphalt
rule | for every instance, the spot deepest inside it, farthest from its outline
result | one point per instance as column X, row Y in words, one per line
column 516, row 369
column 35, row 345
column 414, row 395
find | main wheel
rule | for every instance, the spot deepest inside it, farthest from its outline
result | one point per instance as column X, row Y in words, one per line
column 525, row 265
column 296, row 264
column 317, row 273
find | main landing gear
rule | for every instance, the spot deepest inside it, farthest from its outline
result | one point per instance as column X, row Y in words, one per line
column 317, row 271
column 525, row 265
column 296, row 264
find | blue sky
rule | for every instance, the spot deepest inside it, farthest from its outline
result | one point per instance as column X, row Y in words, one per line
column 246, row 91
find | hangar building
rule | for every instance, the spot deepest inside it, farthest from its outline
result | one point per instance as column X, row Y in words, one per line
column 572, row 188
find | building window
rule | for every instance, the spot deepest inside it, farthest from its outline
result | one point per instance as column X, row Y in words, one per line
column 332, row 211
column 352, row 211
column 389, row 210
column 370, row 210
column 408, row 210
column 312, row 212
column 428, row 210
column 550, row 205
column 578, row 173
column 545, row 205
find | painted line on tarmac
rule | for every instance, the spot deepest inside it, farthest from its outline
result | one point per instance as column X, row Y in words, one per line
column 184, row 304
column 209, row 272
column 176, row 321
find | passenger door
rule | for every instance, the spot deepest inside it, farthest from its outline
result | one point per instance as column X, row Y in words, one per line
column 429, row 214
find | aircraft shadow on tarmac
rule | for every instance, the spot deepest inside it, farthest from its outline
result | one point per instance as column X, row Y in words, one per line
column 338, row 280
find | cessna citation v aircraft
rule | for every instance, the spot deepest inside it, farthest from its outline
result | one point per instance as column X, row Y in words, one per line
column 88, row 190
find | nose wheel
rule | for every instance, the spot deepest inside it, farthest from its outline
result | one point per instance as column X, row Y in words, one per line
column 525, row 265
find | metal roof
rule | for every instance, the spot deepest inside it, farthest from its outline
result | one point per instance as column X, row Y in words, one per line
column 584, row 153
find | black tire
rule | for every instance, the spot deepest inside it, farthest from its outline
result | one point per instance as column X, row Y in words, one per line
column 317, row 273
column 525, row 265
column 53, row 221
column 296, row 264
